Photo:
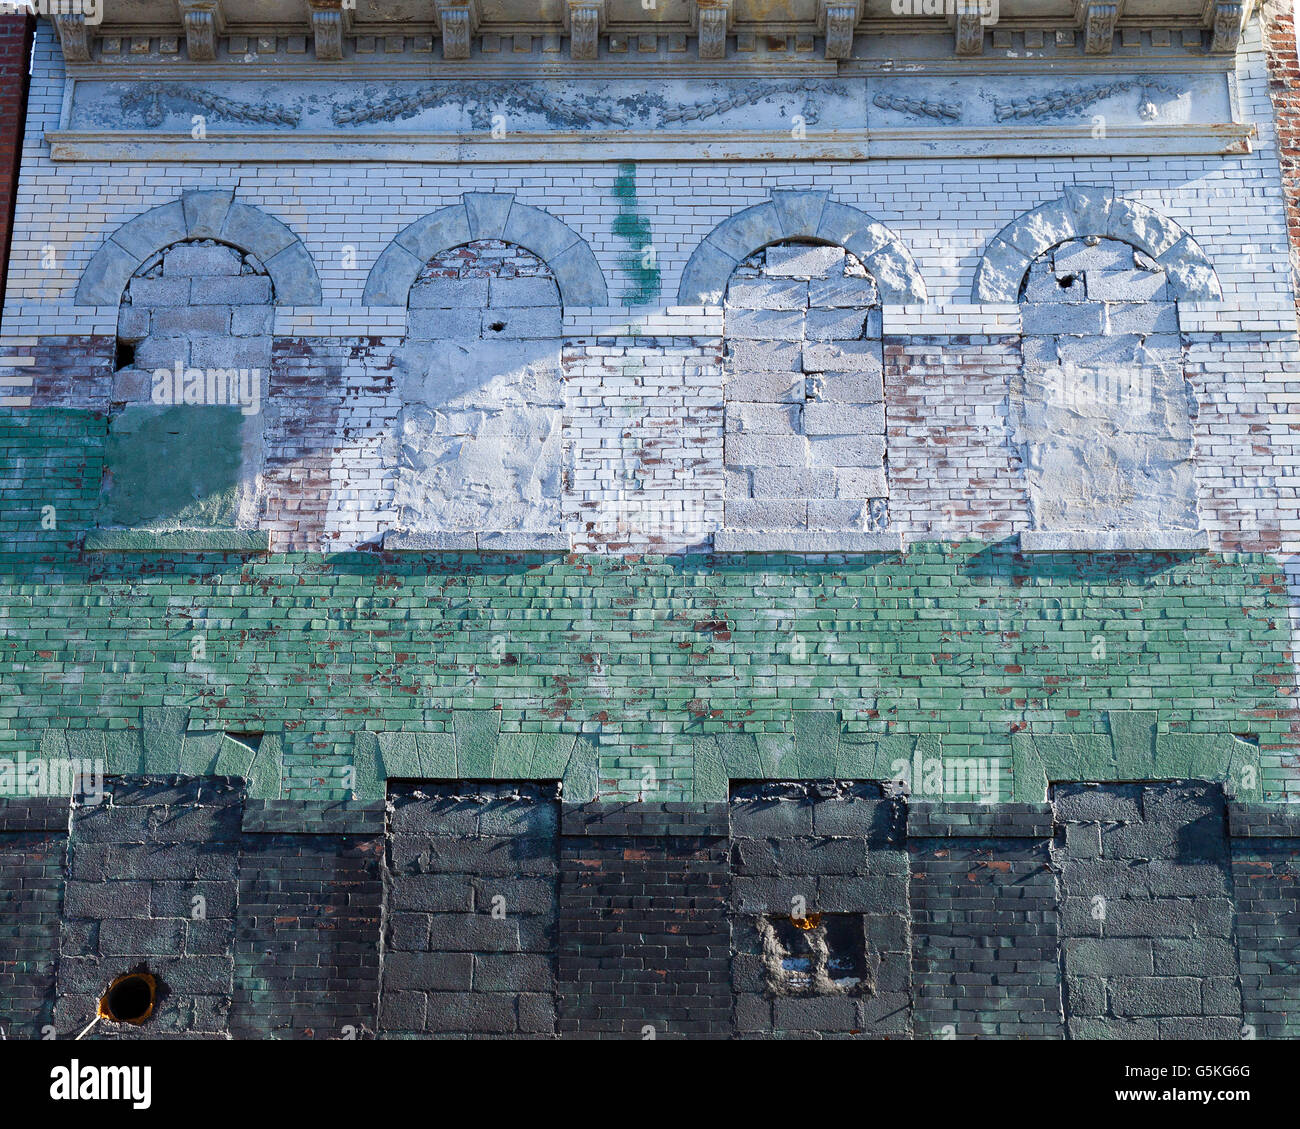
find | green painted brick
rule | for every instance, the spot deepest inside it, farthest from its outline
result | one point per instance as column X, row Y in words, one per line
column 364, row 666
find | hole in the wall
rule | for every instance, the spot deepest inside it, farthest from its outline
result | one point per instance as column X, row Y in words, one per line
column 130, row 998
column 497, row 326
column 123, row 356
column 1066, row 282
column 816, row 955
column 251, row 741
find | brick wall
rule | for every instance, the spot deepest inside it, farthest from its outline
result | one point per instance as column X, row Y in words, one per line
column 15, row 56
column 1266, row 893
column 643, row 937
column 821, row 927
column 1277, row 26
column 306, row 953
column 469, row 937
column 805, row 416
column 820, row 909
column 984, row 908
column 151, row 888
column 1148, row 928
column 33, row 847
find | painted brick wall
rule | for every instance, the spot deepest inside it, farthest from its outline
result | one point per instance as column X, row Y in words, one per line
column 1266, row 892
column 306, row 953
column 969, row 645
column 642, row 429
column 984, row 931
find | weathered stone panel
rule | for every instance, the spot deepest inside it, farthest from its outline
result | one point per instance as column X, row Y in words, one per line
column 482, row 395
column 1101, row 409
column 804, row 394
column 470, row 923
column 151, row 887
column 820, row 926
column 1147, row 917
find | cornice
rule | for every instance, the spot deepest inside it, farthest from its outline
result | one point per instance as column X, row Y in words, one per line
column 468, row 32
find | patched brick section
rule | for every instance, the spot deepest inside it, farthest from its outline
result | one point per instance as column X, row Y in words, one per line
column 329, row 474
column 151, row 887
column 482, row 395
column 644, row 939
column 984, row 929
column 1147, row 922
column 805, row 403
column 1245, row 466
column 953, row 469
column 826, row 864
column 33, row 844
column 306, row 945
column 1100, row 408
column 470, row 928
column 71, row 372
column 644, row 428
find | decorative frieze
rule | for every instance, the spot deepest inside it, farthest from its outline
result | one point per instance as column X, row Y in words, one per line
column 881, row 114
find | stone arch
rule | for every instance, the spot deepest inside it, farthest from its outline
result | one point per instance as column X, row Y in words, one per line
column 1089, row 211
column 202, row 214
column 487, row 215
column 797, row 215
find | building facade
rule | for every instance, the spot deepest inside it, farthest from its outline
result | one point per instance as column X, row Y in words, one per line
column 612, row 519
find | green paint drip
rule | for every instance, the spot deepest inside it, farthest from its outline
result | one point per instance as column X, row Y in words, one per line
column 641, row 263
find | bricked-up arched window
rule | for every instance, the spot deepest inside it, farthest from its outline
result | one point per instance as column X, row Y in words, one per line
column 805, row 414
column 1101, row 407
column 481, row 394
column 193, row 357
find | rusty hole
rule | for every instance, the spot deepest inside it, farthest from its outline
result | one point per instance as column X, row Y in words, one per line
column 130, row 998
